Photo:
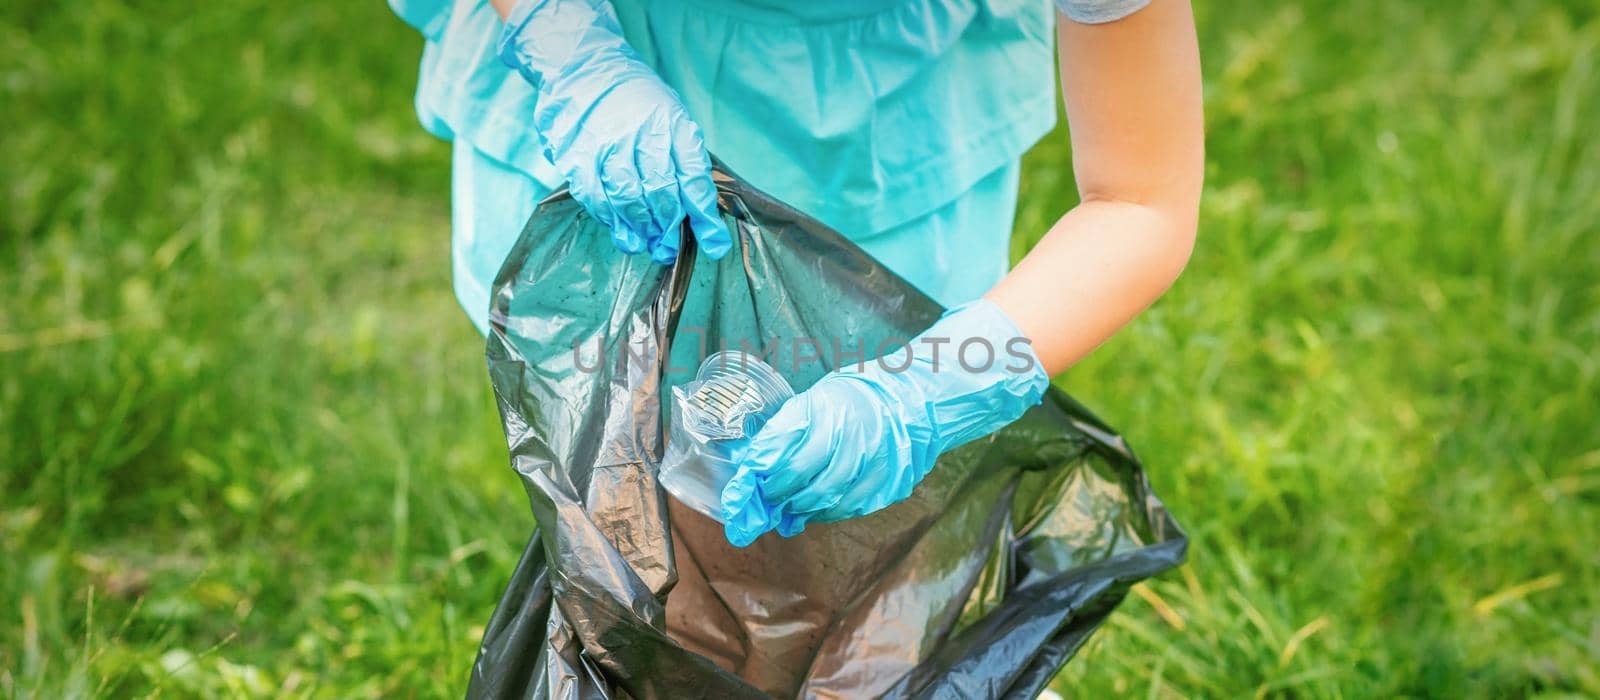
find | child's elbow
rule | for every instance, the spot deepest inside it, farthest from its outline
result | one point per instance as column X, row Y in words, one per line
column 1183, row 230
column 1168, row 222
column 1177, row 204
column 1177, row 240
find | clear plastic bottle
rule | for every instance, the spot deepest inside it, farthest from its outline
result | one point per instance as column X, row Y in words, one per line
column 713, row 418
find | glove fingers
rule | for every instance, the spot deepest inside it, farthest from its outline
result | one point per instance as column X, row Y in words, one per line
column 660, row 183
column 880, row 478
column 790, row 473
column 699, row 193
column 790, row 524
column 749, row 505
column 881, row 471
column 790, row 450
column 745, row 518
column 818, row 471
column 831, row 483
column 843, row 456
column 589, row 193
column 745, row 515
column 632, row 227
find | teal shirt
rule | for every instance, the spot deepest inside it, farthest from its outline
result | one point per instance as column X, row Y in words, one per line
column 863, row 113
column 871, row 115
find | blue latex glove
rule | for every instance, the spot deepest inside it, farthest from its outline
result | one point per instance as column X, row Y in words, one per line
column 621, row 137
column 858, row 441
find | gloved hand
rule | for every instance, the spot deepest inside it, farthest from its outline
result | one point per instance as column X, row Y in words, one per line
column 621, row 137
column 858, row 441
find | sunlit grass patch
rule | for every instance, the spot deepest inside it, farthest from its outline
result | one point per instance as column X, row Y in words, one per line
column 247, row 448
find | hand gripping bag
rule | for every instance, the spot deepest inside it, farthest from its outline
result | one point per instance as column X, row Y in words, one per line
column 981, row 585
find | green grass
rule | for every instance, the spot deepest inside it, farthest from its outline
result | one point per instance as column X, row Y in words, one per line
column 247, row 446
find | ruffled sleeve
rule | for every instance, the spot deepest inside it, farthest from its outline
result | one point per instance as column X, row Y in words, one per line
column 427, row 16
column 1099, row 11
column 465, row 91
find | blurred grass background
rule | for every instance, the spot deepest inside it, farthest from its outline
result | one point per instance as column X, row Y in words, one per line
column 247, row 447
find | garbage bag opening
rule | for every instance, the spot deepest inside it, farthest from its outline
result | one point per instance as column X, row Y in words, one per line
column 982, row 584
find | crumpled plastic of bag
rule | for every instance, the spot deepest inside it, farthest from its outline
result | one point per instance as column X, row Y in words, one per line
column 981, row 585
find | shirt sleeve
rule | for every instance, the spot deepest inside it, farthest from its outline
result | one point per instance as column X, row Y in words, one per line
column 1099, row 11
column 428, row 16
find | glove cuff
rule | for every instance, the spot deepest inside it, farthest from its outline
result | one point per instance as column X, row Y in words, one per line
column 987, row 377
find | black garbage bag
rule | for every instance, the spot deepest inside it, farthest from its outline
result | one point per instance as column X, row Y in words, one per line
column 981, row 585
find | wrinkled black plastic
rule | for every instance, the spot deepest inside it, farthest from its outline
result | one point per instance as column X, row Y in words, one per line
column 981, row 585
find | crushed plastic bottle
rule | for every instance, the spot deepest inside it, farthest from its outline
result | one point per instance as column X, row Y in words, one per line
column 732, row 396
